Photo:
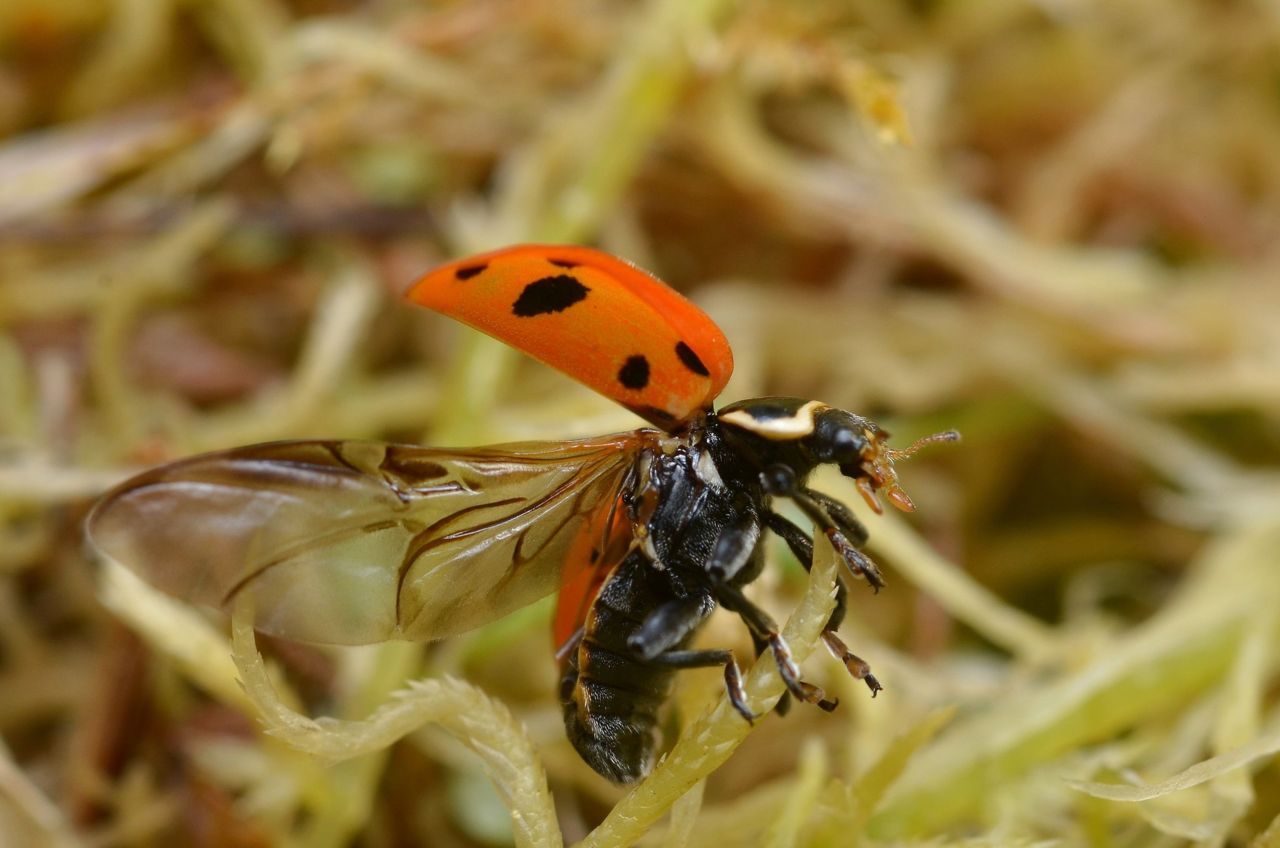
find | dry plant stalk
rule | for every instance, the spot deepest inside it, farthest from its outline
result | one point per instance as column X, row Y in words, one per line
column 1049, row 225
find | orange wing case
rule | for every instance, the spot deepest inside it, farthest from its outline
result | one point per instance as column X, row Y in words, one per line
column 602, row 321
column 596, row 551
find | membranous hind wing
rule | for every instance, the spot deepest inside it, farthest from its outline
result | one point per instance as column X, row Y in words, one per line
column 356, row 542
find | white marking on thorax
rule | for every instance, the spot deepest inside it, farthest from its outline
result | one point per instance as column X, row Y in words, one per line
column 795, row 426
column 707, row 471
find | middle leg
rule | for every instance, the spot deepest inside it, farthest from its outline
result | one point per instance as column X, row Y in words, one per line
column 764, row 629
column 802, row 547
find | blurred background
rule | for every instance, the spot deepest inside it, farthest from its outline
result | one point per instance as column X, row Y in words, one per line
column 1053, row 225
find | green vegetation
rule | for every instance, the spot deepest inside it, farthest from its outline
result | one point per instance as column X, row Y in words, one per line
column 1050, row 225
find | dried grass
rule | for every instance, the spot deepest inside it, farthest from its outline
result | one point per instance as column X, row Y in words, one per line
column 1052, row 226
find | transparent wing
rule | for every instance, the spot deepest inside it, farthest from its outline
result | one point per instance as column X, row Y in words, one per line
column 359, row 542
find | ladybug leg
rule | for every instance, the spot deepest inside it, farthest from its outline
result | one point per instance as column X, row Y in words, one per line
column 802, row 549
column 571, row 644
column 763, row 628
column 802, row 546
column 706, row 659
column 669, row 625
column 734, row 549
column 784, row 703
column 858, row 562
column 797, row 540
column 857, row 666
column 736, row 558
column 781, row 480
column 840, row 514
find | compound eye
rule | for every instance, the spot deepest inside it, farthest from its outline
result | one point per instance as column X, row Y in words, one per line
column 845, row 445
column 842, row 446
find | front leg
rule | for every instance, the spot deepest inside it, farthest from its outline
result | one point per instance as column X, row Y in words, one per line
column 840, row 514
column 780, row 480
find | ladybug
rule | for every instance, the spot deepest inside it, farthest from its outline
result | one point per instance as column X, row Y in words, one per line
column 644, row 533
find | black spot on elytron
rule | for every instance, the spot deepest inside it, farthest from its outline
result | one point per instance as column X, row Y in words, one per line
column 466, row 272
column 595, row 555
column 563, row 263
column 550, row 294
column 691, row 360
column 634, row 373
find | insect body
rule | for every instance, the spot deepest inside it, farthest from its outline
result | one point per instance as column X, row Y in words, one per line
column 703, row 507
column 645, row 532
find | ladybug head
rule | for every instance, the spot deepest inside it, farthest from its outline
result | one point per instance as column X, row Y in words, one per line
column 805, row 434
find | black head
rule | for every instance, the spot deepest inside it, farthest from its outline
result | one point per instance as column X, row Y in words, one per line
column 804, row 434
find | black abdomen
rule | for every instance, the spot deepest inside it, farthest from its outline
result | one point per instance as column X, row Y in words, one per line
column 610, row 696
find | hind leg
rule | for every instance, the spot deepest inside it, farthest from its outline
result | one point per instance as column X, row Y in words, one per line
column 705, row 659
column 655, row 640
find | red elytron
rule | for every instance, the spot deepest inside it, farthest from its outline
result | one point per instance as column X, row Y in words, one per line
column 593, row 316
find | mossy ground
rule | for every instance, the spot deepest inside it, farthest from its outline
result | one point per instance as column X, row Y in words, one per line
column 1053, row 226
